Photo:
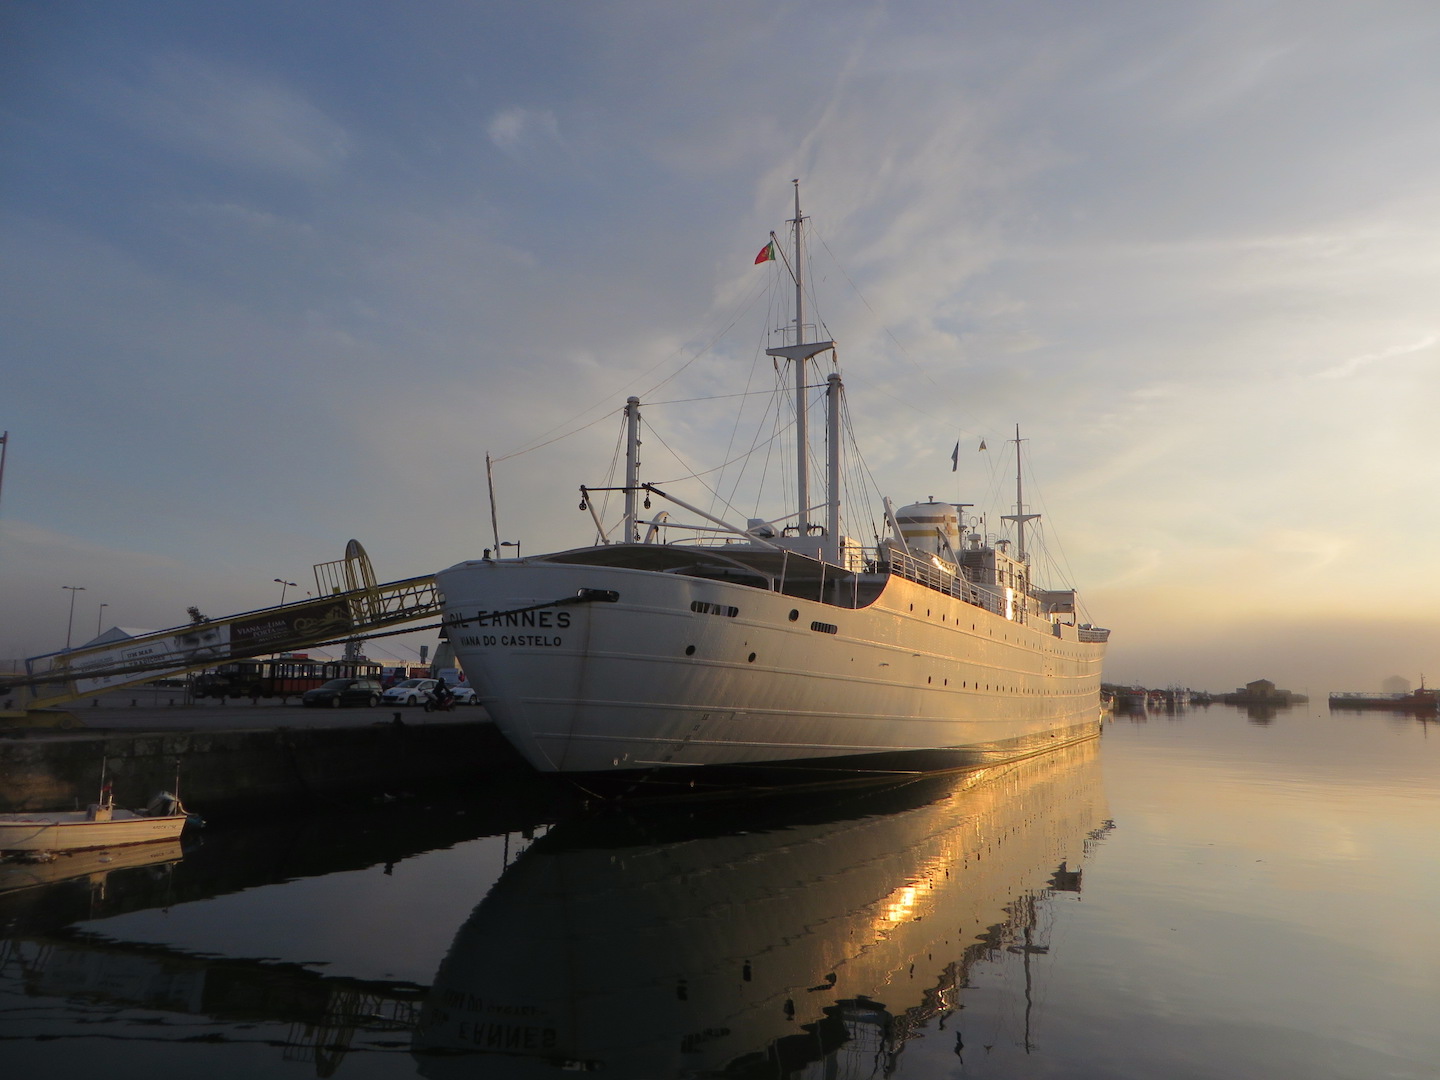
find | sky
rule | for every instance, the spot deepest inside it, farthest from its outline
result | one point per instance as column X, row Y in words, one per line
column 277, row 276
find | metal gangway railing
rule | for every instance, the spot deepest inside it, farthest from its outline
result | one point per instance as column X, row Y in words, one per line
column 349, row 605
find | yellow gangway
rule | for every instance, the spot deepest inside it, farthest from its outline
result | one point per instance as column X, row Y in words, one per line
column 349, row 605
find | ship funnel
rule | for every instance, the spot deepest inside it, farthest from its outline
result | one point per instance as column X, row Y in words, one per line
column 930, row 528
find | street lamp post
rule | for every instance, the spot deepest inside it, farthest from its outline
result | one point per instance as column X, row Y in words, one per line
column 283, row 586
column 69, row 625
column 99, row 615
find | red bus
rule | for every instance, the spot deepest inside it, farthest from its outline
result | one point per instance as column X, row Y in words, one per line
column 283, row 677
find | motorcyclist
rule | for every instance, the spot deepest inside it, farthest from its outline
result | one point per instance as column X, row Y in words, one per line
column 443, row 697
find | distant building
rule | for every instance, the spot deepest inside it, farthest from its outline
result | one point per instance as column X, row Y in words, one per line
column 1263, row 692
column 1396, row 684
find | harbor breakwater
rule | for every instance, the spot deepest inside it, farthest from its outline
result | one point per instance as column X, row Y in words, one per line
column 231, row 772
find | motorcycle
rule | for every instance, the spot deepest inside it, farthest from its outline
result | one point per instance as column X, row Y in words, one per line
column 440, row 700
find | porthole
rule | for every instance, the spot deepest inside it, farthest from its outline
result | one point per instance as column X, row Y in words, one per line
column 794, row 615
column 689, row 650
column 751, row 659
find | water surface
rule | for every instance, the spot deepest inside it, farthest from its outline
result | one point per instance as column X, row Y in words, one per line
column 1196, row 894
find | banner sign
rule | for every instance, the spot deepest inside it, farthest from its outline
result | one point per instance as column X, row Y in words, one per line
column 198, row 644
column 209, row 643
column 300, row 624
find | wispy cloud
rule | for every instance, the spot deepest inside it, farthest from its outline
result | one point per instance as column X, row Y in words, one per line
column 233, row 116
column 1346, row 368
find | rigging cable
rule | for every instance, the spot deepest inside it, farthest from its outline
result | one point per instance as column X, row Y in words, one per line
column 742, row 308
column 904, row 353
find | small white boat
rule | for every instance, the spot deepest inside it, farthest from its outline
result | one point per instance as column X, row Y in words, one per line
column 100, row 825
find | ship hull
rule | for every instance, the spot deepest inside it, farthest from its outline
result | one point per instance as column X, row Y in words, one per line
column 677, row 672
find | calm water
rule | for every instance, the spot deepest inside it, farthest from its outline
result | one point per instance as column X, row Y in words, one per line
column 1203, row 894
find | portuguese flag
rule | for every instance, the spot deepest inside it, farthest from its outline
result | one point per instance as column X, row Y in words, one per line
column 767, row 253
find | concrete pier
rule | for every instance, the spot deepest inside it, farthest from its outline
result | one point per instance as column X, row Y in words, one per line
column 243, row 759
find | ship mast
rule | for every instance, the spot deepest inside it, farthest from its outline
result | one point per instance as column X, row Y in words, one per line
column 632, row 465
column 1019, row 517
column 799, row 353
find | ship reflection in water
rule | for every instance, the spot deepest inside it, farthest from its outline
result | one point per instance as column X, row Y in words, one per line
column 825, row 929
column 769, row 937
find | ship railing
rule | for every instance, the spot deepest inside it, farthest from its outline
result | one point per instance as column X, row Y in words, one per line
column 947, row 579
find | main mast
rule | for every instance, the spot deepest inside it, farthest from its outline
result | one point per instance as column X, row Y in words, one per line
column 802, row 423
column 799, row 353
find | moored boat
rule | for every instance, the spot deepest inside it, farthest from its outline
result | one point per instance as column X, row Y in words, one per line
column 783, row 644
column 102, row 824
column 96, row 827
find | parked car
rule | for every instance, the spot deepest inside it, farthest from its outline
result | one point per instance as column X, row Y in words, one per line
column 464, row 695
column 409, row 692
column 339, row 692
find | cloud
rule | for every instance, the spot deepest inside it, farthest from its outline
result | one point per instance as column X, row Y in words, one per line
column 1349, row 367
column 233, row 117
column 249, row 219
column 515, row 130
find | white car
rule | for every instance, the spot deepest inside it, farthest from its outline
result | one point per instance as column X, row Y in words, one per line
column 409, row 692
column 464, row 695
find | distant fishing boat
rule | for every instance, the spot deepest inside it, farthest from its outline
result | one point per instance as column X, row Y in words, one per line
column 1421, row 701
column 781, row 644
column 102, row 824
column 1131, row 699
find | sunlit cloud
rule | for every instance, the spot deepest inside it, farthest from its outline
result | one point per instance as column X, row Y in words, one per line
column 1352, row 365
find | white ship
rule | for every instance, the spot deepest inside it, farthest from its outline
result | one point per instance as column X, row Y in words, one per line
column 780, row 645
